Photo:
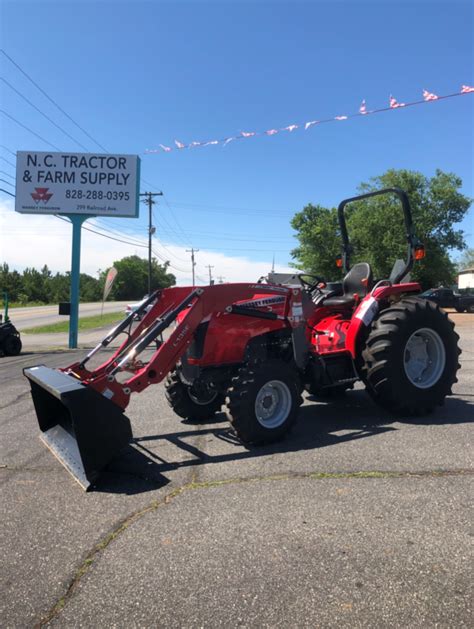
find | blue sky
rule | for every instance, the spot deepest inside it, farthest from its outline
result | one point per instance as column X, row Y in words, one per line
column 135, row 75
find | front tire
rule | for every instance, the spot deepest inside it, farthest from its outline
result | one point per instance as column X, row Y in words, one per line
column 411, row 357
column 263, row 402
column 197, row 405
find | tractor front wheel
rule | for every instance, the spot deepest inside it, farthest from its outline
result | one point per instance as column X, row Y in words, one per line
column 411, row 357
column 194, row 403
column 263, row 401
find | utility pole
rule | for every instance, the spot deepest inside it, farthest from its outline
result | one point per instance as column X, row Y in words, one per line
column 151, row 229
column 193, row 264
column 210, row 274
column 221, row 278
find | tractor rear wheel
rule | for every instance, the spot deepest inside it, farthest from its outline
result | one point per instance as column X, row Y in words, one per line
column 411, row 357
column 263, row 401
column 199, row 404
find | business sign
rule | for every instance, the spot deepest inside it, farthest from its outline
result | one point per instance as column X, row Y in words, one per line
column 77, row 183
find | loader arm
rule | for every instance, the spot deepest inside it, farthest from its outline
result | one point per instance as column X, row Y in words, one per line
column 199, row 303
column 80, row 411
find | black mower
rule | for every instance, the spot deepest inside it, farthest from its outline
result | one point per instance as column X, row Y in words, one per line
column 10, row 342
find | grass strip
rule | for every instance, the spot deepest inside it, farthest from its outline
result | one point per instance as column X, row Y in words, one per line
column 85, row 323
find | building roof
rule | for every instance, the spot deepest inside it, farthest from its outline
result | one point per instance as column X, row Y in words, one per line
column 471, row 270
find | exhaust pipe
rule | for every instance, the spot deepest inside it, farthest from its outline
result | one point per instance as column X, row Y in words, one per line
column 81, row 427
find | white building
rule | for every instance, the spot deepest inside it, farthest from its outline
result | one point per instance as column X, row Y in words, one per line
column 466, row 278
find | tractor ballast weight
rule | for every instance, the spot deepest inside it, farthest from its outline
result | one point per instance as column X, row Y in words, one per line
column 254, row 347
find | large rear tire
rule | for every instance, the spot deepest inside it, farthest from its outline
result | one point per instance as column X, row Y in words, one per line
column 194, row 404
column 411, row 357
column 263, row 401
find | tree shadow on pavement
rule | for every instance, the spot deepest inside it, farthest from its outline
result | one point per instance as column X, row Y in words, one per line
column 144, row 464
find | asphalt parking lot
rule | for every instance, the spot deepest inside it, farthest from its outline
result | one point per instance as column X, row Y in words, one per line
column 357, row 519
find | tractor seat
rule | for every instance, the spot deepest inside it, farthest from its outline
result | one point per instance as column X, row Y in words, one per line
column 357, row 282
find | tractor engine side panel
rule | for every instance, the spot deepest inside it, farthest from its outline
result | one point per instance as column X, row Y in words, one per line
column 226, row 339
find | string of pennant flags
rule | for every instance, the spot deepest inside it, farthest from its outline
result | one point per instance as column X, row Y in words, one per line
column 363, row 111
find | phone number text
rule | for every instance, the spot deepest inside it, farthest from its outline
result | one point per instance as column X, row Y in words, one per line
column 98, row 194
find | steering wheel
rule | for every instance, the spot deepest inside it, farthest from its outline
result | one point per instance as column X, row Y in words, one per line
column 318, row 284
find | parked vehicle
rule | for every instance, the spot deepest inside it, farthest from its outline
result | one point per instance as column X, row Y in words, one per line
column 447, row 298
column 254, row 348
column 135, row 309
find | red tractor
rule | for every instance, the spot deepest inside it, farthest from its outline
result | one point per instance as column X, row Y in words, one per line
column 254, row 348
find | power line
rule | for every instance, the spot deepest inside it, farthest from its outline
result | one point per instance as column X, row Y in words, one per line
column 219, row 208
column 8, row 183
column 6, row 160
column 2, row 190
column 28, row 129
column 43, row 114
column 8, row 150
column 79, row 127
column 52, row 100
column 7, row 174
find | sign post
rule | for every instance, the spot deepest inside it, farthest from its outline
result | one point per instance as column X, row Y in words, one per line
column 76, row 221
column 79, row 186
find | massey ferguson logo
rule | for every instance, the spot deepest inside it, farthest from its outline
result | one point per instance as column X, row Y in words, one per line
column 41, row 194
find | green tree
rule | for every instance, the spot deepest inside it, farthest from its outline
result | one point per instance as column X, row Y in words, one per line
column 376, row 228
column 10, row 282
column 131, row 282
column 89, row 288
column 35, row 285
column 467, row 260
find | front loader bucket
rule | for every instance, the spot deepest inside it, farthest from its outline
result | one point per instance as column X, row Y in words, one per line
column 81, row 427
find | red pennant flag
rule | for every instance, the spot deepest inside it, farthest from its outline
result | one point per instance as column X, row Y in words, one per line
column 310, row 124
column 271, row 131
column 465, row 89
column 247, row 134
column 429, row 95
column 166, row 149
column 179, row 144
column 394, row 103
column 290, row 127
column 363, row 108
column 340, row 117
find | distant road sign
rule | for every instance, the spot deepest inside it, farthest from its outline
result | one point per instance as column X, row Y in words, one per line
column 77, row 183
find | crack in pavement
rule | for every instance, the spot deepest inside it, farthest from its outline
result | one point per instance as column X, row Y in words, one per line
column 193, row 485
column 18, row 398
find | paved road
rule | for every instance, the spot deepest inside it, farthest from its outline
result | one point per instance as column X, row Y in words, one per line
column 44, row 315
column 355, row 520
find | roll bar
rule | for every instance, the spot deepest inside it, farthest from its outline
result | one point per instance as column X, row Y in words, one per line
column 412, row 240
